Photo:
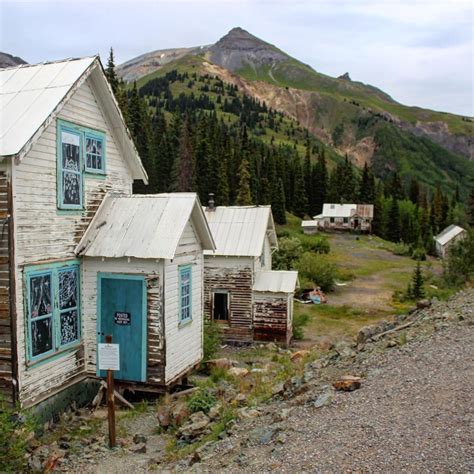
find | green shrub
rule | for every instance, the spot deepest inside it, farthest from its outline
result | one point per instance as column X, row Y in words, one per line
column 316, row 244
column 15, row 429
column 318, row 270
column 212, row 339
column 299, row 322
column 401, row 249
column 459, row 265
column 201, row 400
column 288, row 253
column 419, row 253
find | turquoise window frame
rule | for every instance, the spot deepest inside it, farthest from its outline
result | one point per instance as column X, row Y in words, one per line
column 53, row 270
column 74, row 130
column 99, row 136
column 83, row 133
column 186, row 307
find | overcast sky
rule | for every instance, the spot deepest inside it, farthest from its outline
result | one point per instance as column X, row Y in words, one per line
column 419, row 51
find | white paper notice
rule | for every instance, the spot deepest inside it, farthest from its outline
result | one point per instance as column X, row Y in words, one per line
column 109, row 357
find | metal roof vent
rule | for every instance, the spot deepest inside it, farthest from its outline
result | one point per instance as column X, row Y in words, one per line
column 211, row 203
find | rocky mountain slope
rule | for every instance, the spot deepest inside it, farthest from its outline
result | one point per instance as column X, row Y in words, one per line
column 345, row 114
column 8, row 60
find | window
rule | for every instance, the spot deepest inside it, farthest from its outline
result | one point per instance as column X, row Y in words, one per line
column 79, row 150
column 185, row 294
column 53, row 309
column 346, row 220
column 220, row 306
column 95, row 162
column 331, row 220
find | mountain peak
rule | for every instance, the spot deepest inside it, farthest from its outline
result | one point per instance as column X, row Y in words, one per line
column 239, row 48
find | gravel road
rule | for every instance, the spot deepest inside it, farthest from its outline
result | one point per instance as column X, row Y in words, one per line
column 414, row 413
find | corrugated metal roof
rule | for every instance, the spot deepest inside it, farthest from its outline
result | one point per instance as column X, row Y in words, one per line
column 275, row 281
column 240, row 230
column 143, row 226
column 28, row 96
column 365, row 210
column 32, row 95
column 449, row 233
column 339, row 210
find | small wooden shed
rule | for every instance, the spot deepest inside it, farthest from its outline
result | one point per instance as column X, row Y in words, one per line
column 448, row 237
column 143, row 284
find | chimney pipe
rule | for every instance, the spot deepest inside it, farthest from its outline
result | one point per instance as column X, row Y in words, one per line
column 211, row 204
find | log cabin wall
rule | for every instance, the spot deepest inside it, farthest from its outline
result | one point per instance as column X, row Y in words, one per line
column 236, row 276
column 7, row 346
column 45, row 234
column 271, row 318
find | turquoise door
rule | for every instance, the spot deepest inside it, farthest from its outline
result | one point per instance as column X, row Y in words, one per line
column 122, row 314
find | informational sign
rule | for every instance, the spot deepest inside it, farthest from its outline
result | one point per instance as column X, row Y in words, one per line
column 122, row 318
column 109, row 357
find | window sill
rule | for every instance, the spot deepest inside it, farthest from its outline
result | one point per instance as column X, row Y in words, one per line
column 32, row 364
column 95, row 174
column 185, row 323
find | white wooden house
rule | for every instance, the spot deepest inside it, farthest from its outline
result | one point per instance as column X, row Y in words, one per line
column 65, row 153
column 243, row 295
column 448, row 237
column 342, row 217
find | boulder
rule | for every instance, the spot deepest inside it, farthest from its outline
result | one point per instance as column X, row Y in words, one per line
column 164, row 415
column 139, row 439
column 324, row 399
column 195, row 427
column 240, row 399
column 238, row 372
column 247, row 413
column 215, row 411
column 365, row 334
column 179, row 413
column 298, row 355
column 421, row 304
column 223, row 363
column 278, row 389
column 347, row 383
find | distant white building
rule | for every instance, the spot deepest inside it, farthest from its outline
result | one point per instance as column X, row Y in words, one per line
column 341, row 217
column 447, row 237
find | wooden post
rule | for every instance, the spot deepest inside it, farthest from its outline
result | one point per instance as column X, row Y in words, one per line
column 110, row 401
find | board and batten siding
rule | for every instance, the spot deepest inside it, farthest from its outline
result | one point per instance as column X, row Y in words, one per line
column 153, row 272
column 42, row 233
column 235, row 275
column 184, row 342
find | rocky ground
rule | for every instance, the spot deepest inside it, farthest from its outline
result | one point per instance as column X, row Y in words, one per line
column 412, row 412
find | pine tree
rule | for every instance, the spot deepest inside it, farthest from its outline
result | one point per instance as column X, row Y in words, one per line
column 320, row 183
column 393, row 224
column 244, row 196
column 300, row 200
column 418, row 282
column 367, row 186
column 414, row 193
column 471, row 206
column 278, row 203
column 110, row 73
column 185, row 178
column 395, row 187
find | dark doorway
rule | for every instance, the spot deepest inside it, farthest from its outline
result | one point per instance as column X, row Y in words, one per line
column 220, row 307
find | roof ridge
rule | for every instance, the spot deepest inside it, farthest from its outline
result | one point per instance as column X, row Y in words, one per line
column 45, row 63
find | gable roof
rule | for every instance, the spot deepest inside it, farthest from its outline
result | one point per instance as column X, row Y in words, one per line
column 240, row 230
column 346, row 210
column 31, row 96
column 448, row 234
column 273, row 281
column 143, row 226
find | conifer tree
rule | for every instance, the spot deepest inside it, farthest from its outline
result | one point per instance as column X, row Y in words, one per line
column 418, row 282
column 185, row 178
column 278, row 203
column 367, row 186
column 244, row 196
column 300, row 200
column 110, row 73
column 471, row 205
column 393, row 224
column 320, row 183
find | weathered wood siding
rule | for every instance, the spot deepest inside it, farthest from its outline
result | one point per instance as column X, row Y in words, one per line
column 43, row 233
column 153, row 272
column 184, row 343
column 6, row 328
column 272, row 317
column 236, row 276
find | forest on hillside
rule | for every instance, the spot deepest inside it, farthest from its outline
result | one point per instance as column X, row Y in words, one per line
column 197, row 133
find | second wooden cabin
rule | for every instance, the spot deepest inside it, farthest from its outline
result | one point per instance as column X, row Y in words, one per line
column 242, row 294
